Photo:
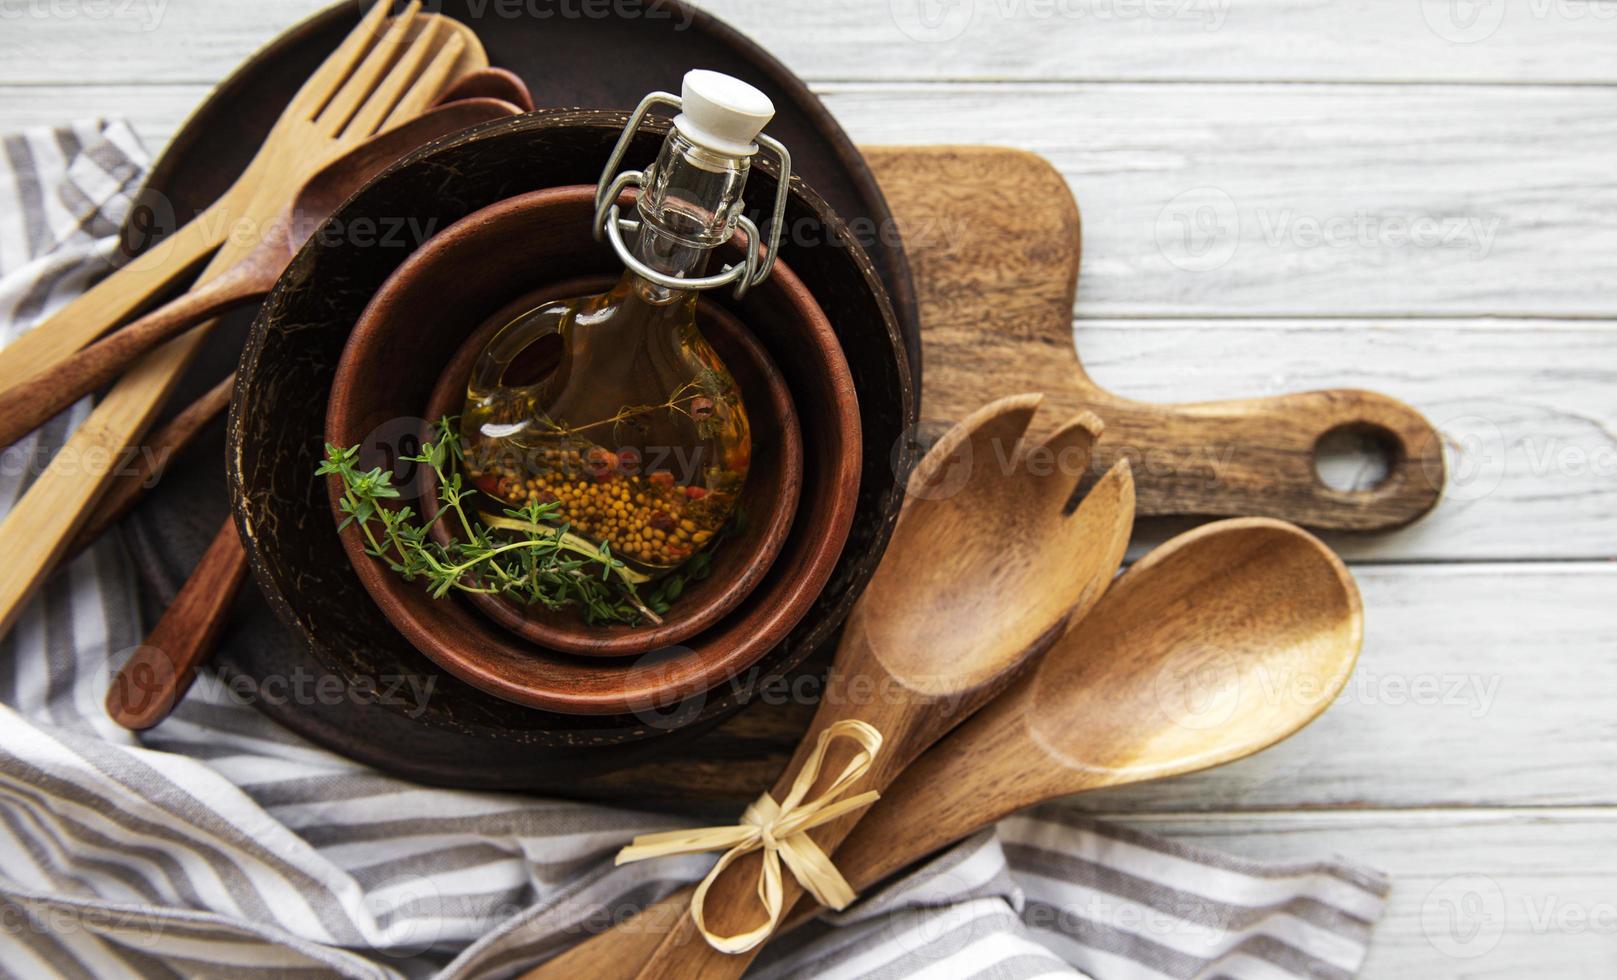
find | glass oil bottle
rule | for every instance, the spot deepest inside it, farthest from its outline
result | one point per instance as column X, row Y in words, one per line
column 638, row 431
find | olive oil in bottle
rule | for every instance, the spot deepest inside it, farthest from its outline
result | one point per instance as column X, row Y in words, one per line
column 637, row 430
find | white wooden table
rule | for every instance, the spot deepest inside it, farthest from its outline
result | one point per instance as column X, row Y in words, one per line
column 1418, row 197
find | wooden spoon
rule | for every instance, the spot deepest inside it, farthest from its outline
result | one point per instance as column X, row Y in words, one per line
column 129, row 486
column 985, row 568
column 1219, row 643
column 154, row 680
column 492, row 83
column 384, row 72
column 26, row 406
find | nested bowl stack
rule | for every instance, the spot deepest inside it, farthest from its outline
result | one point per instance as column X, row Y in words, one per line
column 439, row 308
column 277, row 425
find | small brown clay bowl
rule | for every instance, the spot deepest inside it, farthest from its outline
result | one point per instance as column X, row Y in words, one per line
column 768, row 500
column 497, row 253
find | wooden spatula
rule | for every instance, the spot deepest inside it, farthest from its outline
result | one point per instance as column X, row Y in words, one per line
column 985, row 567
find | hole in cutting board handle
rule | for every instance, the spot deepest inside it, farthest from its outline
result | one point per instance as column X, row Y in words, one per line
column 1357, row 457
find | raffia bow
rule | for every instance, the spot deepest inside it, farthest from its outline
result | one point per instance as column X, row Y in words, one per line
column 780, row 831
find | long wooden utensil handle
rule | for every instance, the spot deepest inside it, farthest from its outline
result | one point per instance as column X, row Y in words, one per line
column 29, row 405
column 906, row 732
column 154, row 680
column 39, row 528
column 115, row 298
column 43, row 523
column 144, row 469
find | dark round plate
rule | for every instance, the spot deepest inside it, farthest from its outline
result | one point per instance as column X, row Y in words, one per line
column 589, row 61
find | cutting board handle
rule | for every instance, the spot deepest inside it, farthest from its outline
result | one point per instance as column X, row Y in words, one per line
column 1257, row 457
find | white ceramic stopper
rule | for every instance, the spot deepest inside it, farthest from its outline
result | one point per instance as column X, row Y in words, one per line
column 722, row 113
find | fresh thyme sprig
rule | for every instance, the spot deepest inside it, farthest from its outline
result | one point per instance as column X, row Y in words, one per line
column 535, row 560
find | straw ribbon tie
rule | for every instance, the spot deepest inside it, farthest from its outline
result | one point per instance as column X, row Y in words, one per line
column 780, row 830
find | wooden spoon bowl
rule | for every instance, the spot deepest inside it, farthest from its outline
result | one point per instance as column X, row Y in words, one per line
column 1219, row 643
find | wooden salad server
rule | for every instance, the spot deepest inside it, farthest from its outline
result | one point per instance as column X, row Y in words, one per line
column 1003, row 314
column 383, row 74
column 1218, row 644
column 376, row 79
column 34, row 402
column 129, row 485
column 986, row 567
column 157, row 676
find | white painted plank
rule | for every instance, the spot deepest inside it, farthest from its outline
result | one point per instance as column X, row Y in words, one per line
column 1073, row 40
column 1528, row 409
column 1476, row 894
column 1489, row 685
column 1216, row 201
column 1210, row 200
column 1172, row 40
column 155, row 111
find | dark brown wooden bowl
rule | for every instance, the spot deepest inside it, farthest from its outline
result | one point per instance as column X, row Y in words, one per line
column 422, row 320
column 768, row 500
column 276, row 429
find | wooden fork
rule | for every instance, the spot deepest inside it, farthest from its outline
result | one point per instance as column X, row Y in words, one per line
column 310, row 132
column 384, row 72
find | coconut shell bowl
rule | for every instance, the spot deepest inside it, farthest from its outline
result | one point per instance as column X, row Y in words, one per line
column 853, row 453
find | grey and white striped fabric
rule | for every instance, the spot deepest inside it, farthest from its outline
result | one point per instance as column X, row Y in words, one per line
column 219, row 844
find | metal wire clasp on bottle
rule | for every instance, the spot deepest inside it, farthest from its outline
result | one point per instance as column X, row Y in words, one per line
column 610, row 223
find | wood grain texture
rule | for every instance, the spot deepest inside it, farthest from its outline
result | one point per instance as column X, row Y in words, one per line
column 1526, row 403
column 1200, row 40
column 1526, row 409
column 1303, row 200
column 1218, row 610
column 29, row 404
column 1463, row 680
column 130, row 484
column 26, row 406
column 1525, row 391
column 1479, row 685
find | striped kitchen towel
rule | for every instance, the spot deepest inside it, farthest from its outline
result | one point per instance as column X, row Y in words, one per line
column 220, row 844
